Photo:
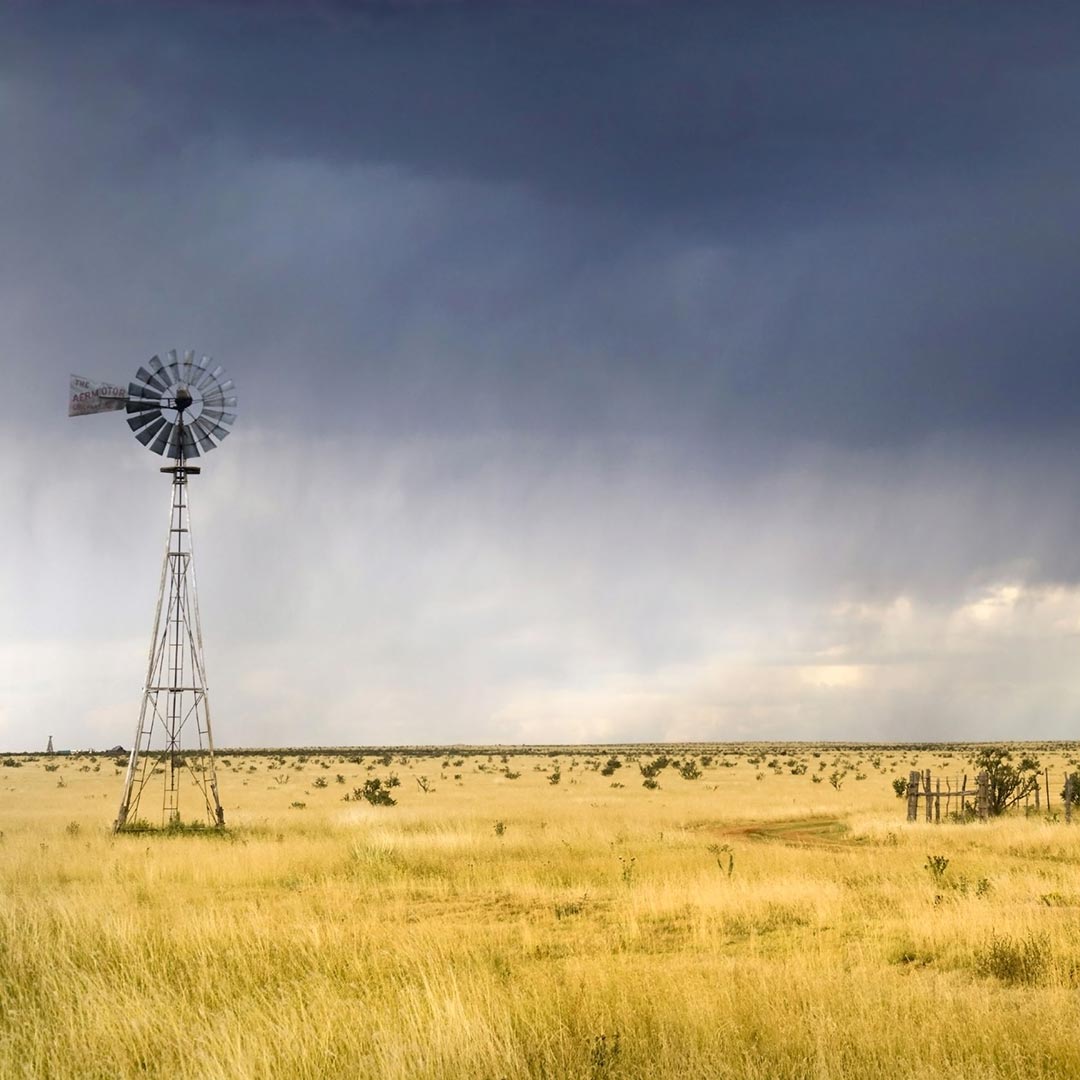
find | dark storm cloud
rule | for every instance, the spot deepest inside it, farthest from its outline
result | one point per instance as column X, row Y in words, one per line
column 869, row 207
column 742, row 118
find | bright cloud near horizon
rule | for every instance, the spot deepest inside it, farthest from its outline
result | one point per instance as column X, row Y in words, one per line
column 607, row 372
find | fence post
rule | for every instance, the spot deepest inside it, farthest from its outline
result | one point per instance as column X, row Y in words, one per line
column 912, row 795
column 1046, row 774
column 984, row 796
column 1038, row 797
column 1069, row 779
column 929, row 800
column 937, row 803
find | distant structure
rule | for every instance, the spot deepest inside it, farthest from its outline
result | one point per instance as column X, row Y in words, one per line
column 49, row 749
column 177, row 408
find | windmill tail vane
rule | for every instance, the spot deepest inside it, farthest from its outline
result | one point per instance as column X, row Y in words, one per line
column 179, row 408
column 92, row 396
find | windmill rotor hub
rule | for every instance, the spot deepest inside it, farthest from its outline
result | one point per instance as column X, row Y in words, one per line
column 183, row 398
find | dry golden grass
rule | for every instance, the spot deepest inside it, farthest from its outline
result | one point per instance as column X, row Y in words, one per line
column 727, row 926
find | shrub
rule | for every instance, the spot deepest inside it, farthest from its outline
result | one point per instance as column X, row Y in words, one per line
column 899, row 786
column 1008, row 783
column 570, row 907
column 1014, row 962
column 376, row 792
column 556, row 775
column 937, row 865
column 689, row 770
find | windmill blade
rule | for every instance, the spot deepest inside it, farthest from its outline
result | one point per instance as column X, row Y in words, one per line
column 162, row 440
column 138, row 390
column 142, row 419
column 173, row 367
column 211, row 376
column 218, row 414
column 188, row 366
column 188, row 447
column 198, row 372
column 141, row 406
column 147, row 434
column 151, row 378
column 173, row 445
column 202, row 433
column 218, row 390
column 219, row 432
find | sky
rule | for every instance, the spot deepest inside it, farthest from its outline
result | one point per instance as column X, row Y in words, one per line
column 608, row 371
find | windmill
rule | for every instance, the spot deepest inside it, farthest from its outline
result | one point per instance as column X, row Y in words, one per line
column 179, row 408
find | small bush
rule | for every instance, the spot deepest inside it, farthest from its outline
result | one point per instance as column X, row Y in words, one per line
column 1016, row 963
column 899, row 786
column 937, row 865
column 567, row 908
column 376, row 792
column 653, row 768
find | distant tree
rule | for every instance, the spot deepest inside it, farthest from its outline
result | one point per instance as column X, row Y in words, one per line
column 1008, row 782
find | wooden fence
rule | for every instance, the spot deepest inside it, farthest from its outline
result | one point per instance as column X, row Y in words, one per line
column 976, row 798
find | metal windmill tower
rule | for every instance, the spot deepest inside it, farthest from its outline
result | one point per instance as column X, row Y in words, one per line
column 179, row 408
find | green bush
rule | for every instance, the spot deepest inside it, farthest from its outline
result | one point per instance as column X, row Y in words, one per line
column 1016, row 963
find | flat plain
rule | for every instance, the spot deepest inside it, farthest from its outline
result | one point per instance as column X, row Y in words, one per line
column 763, row 911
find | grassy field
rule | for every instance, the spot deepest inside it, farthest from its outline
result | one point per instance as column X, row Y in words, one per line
column 539, row 914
